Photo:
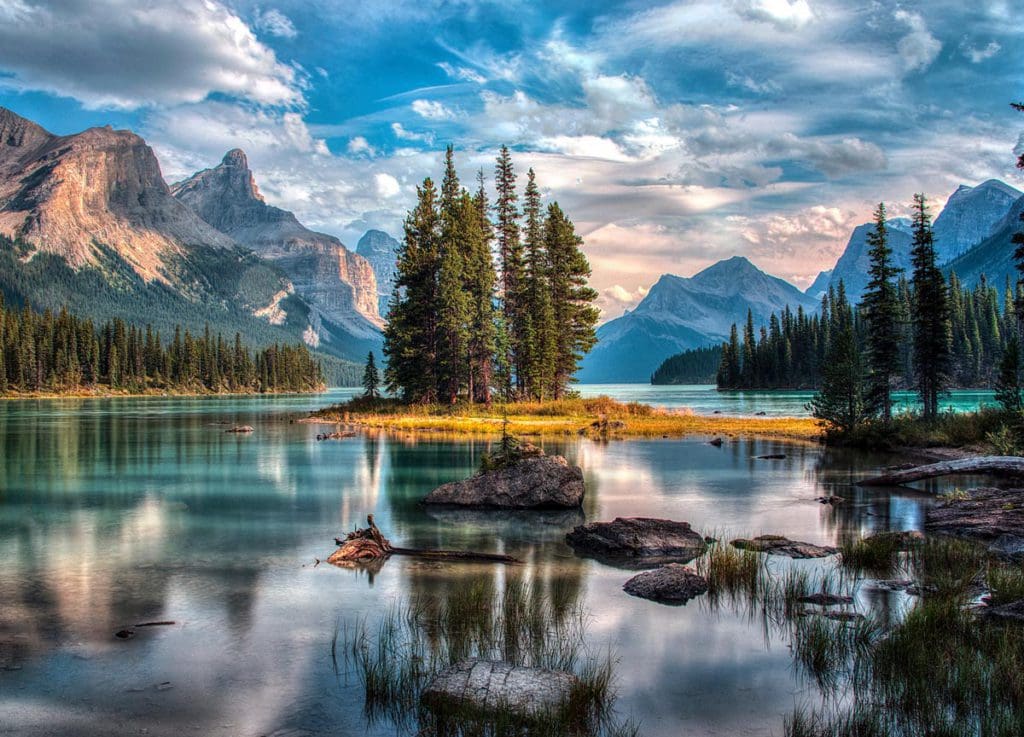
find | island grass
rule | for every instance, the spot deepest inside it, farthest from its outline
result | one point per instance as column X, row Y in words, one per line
column 600, row 417
column 520, row 624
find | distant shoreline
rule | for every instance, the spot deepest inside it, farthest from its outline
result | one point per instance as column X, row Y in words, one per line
column 85, row 393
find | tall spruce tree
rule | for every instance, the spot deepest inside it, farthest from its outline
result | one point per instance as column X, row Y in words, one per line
column 930, row 315
column 481, row 283
column 453, row 300
column 540, row 349
column 510, row 255
column 572, row 300
column 880, row 310
column 411, row 334
column 1018, row 251
column 371, row 378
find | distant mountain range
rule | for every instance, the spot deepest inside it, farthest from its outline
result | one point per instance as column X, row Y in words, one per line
column 679, row 313
column 972, row 234
column 87, row 221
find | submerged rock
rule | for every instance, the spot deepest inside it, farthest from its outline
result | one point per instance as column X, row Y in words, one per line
column 987, row 515
column 670, row 584
column 638, row 541
column 823, row 599
column 779, row 545
column 535, row 482
column 498, row 686
column 241, row 429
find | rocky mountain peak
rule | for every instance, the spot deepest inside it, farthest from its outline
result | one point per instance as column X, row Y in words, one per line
column 236, row 158
column 19, row 132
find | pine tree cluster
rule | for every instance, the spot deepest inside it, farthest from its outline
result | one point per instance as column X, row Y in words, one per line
column 60, row 352
column 460, row 326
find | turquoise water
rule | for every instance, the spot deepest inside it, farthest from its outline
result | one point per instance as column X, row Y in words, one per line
column 120, row 511
column 705, row 399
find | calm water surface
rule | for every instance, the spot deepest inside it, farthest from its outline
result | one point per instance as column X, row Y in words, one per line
column 704, row 399
column 120, row 511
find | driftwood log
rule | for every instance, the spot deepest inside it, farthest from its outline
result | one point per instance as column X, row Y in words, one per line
column 993, row 465
column 369, row 544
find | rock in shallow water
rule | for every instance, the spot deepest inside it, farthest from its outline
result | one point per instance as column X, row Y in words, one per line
column 493, row 685
column 538, row 482
column 993, row 516
column 638, row 541
column 779, row 545
column 670, row 584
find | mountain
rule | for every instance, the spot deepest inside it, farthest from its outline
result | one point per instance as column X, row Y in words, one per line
column 381, row 250
column 852, row 266
column 820, row 285
column 993, row 257
column 87, row 222
column 337, row 284
column 679, row 313
column 970, row 216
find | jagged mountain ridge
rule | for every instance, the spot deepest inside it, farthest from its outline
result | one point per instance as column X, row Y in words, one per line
column 680, row 313
column 338, row 284
column 971, row 215
column 993, row 257
column 88, row 222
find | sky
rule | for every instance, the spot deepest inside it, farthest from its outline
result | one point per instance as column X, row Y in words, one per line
column 673, row 133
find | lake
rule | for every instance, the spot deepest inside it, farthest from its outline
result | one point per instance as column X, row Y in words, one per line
column 121, row 511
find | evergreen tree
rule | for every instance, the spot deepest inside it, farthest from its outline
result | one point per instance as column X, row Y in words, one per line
column 1008, row 382
column 540, row 329
column 481, row 281
column 880, row 307
column 411, row 334
column 930, row 314
column 371, row 378
column 571, row 298
column 1018, row 251
column 842, row 402
column 453, row 306
column 510, row 254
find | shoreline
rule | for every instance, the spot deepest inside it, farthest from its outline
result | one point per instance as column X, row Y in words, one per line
column 617, row 422
column 83, row 393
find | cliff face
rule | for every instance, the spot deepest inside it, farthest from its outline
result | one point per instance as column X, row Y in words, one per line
column 73, row 195
column 338, row 284
column 381, row 250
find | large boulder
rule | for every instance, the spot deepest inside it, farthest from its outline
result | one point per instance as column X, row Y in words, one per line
column 779, row 545
column 536, row 482
column 494, row 685
column 670, row 584
column 637, row 542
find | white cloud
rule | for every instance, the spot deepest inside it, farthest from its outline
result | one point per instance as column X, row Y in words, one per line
column 360, row 146
column 387, row 186
column 123, row 54
column 919, row 47
column 783, row 14
column 275, row 23
column 616, row 299
column 403, row 134
column 976, row 55
column 432, row 110
column 463, row 74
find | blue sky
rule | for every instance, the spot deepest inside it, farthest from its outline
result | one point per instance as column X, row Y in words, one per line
column 674, row 133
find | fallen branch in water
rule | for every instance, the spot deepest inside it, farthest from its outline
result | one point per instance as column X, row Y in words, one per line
column 994, row 465
column 369, row 544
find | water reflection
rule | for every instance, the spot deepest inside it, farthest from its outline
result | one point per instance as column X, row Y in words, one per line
column 121, row 511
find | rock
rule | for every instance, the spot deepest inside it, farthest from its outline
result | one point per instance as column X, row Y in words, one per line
column 539, row 482
column 842, row 616
column 893, row 584
column 761, row 414
column 1014, row 611
column 823, row 599
column 991, row 516
column 833, row 500
column 381, row 251
column 637, row 541
column 717, row 442
column 779, row 545
column 340, row 434
column 670, row 584
column 241, row 429
column 772, row 457
column 493, row 685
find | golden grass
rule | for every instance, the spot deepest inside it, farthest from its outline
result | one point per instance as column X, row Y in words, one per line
column 595, row 417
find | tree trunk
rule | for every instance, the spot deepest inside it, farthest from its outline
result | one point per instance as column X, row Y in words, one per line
column 994, row 465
